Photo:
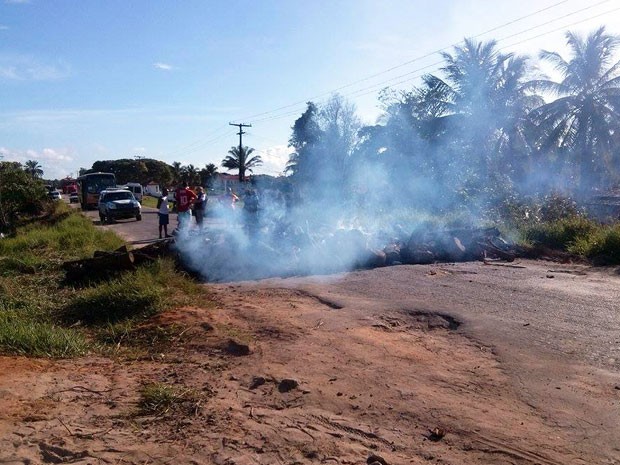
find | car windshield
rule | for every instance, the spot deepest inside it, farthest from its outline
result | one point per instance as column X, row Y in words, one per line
column 121, row 195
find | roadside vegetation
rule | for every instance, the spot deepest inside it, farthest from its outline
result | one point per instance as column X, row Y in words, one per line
column 41, row 316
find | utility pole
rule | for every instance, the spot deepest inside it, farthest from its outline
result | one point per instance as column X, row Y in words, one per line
column 241, row 133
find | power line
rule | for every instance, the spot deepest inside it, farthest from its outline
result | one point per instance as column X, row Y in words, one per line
column 410, row 61
column 296, row 107
column 201, row 143
column 416, row 72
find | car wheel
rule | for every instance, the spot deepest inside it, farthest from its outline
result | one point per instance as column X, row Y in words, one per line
column 102, row 218
column 138, row 217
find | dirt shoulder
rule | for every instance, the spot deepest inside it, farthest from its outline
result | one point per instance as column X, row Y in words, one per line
column 406, row 378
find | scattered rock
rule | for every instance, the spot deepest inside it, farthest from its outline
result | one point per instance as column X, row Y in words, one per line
column 376, row 459
column 436, row 434
column 287, row 385
column 236, row 348
column 207, row 326
column 257, row 381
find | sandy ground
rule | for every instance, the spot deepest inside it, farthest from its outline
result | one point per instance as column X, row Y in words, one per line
column 444, row 364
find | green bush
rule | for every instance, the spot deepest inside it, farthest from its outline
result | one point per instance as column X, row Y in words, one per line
column 20, row 194
column 561, row 234
column 603, row 245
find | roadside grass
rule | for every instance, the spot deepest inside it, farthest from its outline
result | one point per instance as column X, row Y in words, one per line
column 148, row 201
column 161, row 398
column 39, row 315
column 46, row 243
column 579, row 236
column 560, row 234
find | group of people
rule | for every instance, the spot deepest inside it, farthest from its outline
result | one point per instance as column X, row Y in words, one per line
column 188, row 201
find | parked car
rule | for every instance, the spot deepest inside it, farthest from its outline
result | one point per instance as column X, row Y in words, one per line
column 54, row 195
column 73, row 197
column 117, row 204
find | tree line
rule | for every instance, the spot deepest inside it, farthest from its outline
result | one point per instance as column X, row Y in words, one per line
column 484, row 128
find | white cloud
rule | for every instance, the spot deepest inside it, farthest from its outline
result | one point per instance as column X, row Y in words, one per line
column 163, row 66
column 274, row 159
column 54, row 161
column 27, row 68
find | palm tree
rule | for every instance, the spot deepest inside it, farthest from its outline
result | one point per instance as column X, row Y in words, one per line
column 177, row 171
column 483, row 102
column 33, row 168
column 208, row 173
column 191, row 174
column 239, row 158
column 584, row 119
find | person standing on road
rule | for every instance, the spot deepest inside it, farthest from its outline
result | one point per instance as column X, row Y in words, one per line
column 185, row 198
column 250, row 212
column 200, row 206
column 163, row 212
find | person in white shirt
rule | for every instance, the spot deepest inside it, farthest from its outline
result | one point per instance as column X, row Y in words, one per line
column 163, row 213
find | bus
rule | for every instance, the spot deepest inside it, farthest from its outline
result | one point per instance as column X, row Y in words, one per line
column 90, row 185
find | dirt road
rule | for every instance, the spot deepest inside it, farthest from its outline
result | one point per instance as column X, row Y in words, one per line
column 450, row 364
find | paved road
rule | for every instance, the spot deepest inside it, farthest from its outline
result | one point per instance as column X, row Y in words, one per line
column 140, row 232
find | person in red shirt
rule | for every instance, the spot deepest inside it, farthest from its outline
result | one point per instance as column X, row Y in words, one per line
column 184, row 200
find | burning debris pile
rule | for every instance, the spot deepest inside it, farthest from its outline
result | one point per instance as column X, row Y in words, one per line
column 226, row 255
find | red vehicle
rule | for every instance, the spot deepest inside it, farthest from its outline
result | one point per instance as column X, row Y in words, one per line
column 69, row 187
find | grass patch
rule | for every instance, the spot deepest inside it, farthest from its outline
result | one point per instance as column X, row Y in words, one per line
column 148, row 201
column 40, row 339
column 47, row 243
column 120, row 299
column 130, row 339
column 161, row 398
column 561, row 234
column 603, row 245
column 38, row 312
column 579, row 236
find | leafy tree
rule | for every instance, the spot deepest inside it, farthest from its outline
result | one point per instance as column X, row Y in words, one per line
column 33, row 168
column 324, row 139
column 20, row 193
column 582, row 122
column 241, row 158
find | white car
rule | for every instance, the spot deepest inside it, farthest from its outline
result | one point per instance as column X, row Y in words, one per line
column 54, row 195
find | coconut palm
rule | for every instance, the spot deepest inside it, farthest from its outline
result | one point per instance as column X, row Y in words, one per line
column 484, row 100
column 239, row 158
column 583, row 120
column 33, row 168
column 207, row 174
column 190, row 174
column 177, row 171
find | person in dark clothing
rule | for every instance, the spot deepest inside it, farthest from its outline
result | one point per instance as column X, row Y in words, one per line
column 200, row 205
column 250, row 212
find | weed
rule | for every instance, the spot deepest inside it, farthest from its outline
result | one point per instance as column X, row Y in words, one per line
column 161, row 398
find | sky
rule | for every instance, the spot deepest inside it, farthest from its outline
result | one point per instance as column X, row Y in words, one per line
column 89, row 80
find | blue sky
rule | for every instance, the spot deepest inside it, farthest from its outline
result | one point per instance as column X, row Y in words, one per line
column 87, row 80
